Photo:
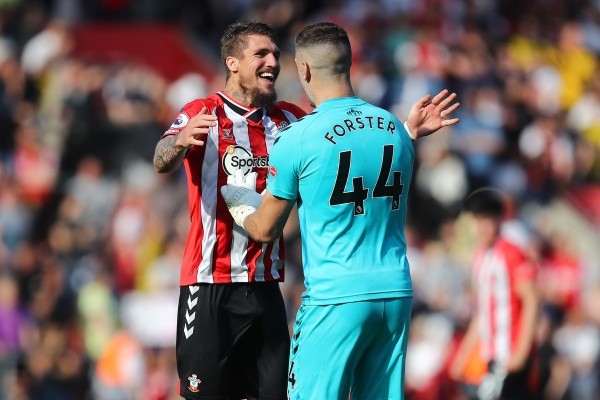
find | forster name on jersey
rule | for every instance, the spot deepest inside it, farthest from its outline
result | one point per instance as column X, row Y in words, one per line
column 355, row 122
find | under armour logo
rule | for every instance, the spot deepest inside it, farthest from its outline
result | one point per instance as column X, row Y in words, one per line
column 227, row 134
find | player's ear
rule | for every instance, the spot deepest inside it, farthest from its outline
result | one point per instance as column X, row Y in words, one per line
column 305, row 72
column 233, row 64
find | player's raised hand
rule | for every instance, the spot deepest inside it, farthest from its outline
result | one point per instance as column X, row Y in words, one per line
column 197, row 127
column 428, row 115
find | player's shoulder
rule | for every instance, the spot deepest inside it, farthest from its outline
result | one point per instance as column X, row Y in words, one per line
column 361, row 109
column 383, row 112
column 290, row 107
column 302, row 123
column 210, row 102
column 511, row 250
column 292, row 134
column 189, row 110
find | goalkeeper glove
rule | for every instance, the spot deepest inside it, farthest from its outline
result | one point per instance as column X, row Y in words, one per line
column 240, row 195
column 490, row 387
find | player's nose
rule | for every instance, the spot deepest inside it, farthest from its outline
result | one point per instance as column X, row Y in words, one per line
column 271, row 61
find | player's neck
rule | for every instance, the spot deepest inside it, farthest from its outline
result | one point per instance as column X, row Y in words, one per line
column 239, row 96
column 332, row 91
column 247, row 98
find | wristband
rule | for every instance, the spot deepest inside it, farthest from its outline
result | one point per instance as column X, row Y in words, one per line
column 412, row 136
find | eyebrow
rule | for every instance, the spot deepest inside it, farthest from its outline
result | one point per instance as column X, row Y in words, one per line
column 263, row 50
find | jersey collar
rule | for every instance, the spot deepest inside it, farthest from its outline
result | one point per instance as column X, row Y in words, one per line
column 252, row 114
column 339, row 102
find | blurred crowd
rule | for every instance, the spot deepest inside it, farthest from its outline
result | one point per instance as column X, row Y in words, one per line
column 91, row 237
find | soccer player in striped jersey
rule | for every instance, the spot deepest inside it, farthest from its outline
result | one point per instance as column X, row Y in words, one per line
column 348, row 166
column 506, row 310
column 232, row 335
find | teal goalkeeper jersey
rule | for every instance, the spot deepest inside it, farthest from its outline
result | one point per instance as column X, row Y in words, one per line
column 349, row 165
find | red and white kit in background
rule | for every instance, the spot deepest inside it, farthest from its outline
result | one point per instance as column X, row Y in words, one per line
column 217, row 250
column 498, row 271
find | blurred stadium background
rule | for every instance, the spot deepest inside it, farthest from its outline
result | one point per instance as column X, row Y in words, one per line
column 91, row 236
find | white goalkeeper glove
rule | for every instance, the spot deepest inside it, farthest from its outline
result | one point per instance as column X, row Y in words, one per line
column 240, row 195
column 490, row 387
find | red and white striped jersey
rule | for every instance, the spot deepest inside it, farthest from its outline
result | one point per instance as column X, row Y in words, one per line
column 217, row 250
column 498, row 270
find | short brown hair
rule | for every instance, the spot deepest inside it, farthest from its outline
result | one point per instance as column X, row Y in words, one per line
column 235, row 38
column 328, row 34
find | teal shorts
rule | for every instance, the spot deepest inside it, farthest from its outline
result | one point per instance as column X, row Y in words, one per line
column 353, row 349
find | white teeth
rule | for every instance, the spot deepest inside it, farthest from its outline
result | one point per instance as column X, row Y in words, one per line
column 267, row 75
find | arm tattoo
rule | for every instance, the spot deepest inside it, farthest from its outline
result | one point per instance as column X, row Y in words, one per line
column 167, row 155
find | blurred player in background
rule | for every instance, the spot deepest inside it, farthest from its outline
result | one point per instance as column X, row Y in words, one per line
column 348, row 165
column 506, row 311
column 232, row 333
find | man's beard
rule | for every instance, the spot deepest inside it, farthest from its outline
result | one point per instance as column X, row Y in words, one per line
column 262, row 99
column 254, row 96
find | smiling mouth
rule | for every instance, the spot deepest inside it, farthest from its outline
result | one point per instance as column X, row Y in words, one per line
column 269, row 76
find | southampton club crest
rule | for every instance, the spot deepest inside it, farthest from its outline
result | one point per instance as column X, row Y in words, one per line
column 194, row 383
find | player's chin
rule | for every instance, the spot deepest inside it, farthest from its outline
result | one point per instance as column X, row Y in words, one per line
column 266, row 86
column 265, row 98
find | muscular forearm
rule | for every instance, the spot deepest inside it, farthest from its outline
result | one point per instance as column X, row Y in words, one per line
column 261, row 232
column 266, row 224
column 168, row 155
column 262, row 216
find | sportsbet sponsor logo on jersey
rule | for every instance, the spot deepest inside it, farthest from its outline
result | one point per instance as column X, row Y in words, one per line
column 237, row 157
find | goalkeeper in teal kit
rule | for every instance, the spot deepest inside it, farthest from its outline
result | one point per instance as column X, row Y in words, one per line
column 348, row 166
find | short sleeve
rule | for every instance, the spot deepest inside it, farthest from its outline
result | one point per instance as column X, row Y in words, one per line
column 284, row 165
column 523, row 269
column 188, row 111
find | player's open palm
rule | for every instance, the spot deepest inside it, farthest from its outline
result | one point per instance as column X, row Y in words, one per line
column 428, row 115
column 196, row 129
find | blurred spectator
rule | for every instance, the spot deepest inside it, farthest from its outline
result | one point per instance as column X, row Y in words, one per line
column 163, row 272
column 579, row 342
column 95, row 193
column 13, row 322
column 549, row 153
column 561, row 276
column 479, row 137
column 575, row 64
column 186, row 89
column 506, row 305
column 128, row 227
column 441, row 174
column 35, row 166
column 120, row 369
column 46, row 46
column 15, row 217
column 98, row 315
column 583, row 120
column 431, row 336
